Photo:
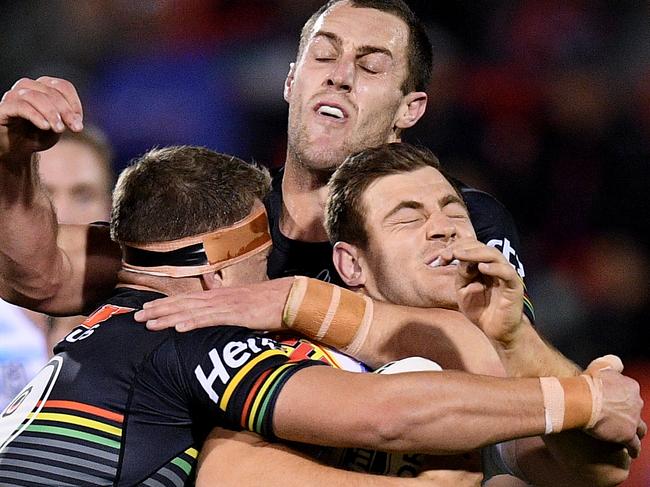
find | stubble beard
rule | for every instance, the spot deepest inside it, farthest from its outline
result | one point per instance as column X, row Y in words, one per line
column 307, row 156
column 325, row 159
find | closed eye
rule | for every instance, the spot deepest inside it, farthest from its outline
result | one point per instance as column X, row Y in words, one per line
column 408, row 221
column 456, row 209
column 368, row 69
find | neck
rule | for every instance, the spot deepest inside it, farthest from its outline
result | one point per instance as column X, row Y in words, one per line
column 165, row 285
column 304, row 193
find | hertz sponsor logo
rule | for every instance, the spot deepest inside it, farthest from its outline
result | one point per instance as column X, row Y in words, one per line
column 229, row 360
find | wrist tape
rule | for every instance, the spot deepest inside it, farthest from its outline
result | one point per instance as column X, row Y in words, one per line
column 572, row 402
column 335, row 316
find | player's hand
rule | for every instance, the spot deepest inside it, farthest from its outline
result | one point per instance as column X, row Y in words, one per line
column 489, row 291
column 34, row 113
column 620, row 417
column 257, row 306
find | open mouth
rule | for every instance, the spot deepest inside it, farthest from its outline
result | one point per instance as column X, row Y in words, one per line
column 331, row 111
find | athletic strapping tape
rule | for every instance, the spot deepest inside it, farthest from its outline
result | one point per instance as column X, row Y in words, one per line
column 199, row 254
column 573, row 402
column 335, row 316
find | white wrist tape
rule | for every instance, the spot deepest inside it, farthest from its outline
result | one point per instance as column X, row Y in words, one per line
column 596, row 388
column 570, row 402
column 553, row 394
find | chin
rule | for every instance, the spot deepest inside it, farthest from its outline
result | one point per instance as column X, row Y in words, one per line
column 324, row 159
column 441, row 300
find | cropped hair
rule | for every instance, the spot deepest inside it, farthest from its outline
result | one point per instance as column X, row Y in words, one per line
column 181, row 191
column 419, row 50
column 345, row 210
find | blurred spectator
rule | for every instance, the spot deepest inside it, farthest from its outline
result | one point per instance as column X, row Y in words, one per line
column 79, row 177
column 23, row 351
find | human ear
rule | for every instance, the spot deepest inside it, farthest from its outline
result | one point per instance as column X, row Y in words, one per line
column 212, row 280
column 411, row 109
column 347, row 260
column 288, row 82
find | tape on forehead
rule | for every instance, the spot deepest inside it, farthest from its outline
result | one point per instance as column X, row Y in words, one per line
column 198, row 254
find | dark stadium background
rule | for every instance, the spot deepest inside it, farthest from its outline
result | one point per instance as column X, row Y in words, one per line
column 544, row 103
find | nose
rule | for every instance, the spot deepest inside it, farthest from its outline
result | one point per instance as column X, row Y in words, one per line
column 441, row 228
column 65, row 211
column 341, row 76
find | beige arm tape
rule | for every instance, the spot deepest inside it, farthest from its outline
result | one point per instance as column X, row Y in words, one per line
column 335, row 316
column 572, row 402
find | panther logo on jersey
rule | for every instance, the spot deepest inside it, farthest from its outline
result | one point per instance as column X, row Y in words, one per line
column 19, row 414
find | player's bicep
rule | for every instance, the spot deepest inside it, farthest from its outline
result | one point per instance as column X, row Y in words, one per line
column 235, row 376
column 327, row 406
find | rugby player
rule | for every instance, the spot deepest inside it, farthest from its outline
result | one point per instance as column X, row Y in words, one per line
column 114, row 388
column 403, row 234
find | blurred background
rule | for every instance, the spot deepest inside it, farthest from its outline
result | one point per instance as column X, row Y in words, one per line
column 543, row 103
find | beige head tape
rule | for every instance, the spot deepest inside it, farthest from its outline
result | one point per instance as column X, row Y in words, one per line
column 199, row 254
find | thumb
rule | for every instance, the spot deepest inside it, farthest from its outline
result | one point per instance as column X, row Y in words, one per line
column 605, row 362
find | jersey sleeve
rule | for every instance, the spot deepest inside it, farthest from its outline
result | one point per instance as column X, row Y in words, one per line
column 495, row 227
column 235, row 376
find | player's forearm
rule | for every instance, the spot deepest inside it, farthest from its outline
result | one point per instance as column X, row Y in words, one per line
column 529, row 355
column 242, row 458
column 441, row 335
column 380, row 332
column 415, row 412
column 581, row 459
column 31, row 265
column 53, row 269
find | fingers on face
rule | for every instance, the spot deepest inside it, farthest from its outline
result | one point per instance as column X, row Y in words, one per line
column 475, row 256
column 470, row 249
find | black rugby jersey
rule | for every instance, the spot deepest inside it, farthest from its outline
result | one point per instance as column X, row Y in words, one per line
column 290, row 257
column 492, row 222
column 122, row 405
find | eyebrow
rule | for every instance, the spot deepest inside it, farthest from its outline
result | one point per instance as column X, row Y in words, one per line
column 451, row 199
column 410, row 204
column 448, row 199
column 361, row 51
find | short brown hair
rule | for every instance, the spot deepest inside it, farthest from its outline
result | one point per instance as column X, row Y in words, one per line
column 419, row 50
column 180, row 191
column 345, row 211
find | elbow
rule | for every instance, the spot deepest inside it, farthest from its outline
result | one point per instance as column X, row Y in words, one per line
column 33, row 291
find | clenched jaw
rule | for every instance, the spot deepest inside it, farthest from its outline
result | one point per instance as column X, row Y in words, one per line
column 438, row 262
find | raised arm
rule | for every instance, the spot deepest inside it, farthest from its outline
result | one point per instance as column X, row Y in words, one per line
column 44, row 267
